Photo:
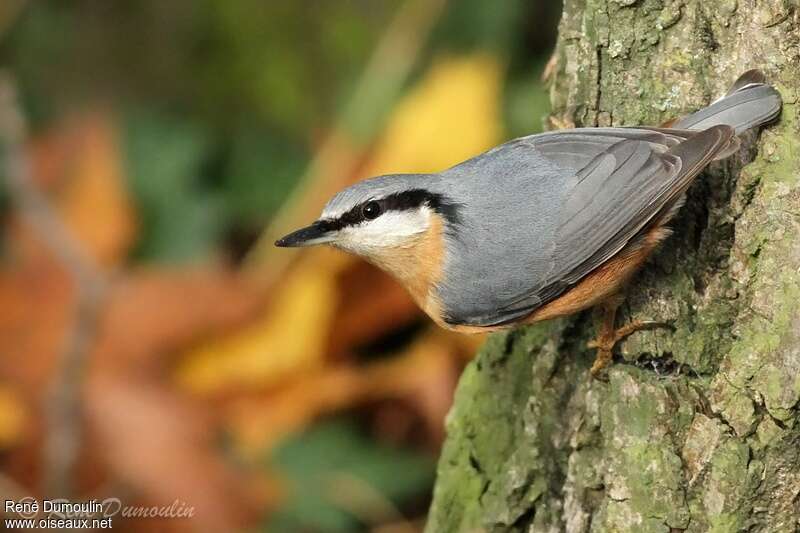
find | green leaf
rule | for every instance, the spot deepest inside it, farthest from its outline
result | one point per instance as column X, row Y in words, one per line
column 181, row 218
column 526, row 103
column 263, row 169
column 333, row 462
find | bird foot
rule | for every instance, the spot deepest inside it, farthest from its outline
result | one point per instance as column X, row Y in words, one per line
column 606, row 340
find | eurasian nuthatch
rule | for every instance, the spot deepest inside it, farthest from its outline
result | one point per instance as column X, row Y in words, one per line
column 542, row 226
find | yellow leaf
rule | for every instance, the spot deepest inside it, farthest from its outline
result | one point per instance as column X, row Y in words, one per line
column 289, row 337
column 12, row 418
column 424, row 374
column 451, row 115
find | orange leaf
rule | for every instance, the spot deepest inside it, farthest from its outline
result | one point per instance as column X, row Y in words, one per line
column 94, row 201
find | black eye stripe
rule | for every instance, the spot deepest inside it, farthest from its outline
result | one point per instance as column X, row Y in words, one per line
column 402, row 201
column 406, row 200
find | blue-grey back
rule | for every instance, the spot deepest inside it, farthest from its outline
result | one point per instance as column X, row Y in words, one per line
column 540, row 212
column 505, row 240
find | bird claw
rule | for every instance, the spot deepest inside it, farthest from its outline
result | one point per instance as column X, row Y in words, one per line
column 605, row 343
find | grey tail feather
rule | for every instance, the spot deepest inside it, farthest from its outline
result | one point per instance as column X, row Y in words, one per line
column 749, row 103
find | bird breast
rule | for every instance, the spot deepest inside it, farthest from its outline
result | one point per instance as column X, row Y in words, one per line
column 417, row 264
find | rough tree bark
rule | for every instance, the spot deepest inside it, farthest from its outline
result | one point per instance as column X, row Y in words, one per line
column 697, row 429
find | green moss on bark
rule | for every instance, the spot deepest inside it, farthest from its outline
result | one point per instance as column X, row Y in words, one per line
column 694, row 430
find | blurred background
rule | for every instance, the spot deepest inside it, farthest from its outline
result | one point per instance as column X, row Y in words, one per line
column 154, row 346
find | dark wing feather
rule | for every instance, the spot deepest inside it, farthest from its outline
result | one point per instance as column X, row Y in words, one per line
column 577, row 148
column 637, row 174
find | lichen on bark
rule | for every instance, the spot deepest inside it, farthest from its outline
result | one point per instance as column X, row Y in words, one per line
column 697, row 429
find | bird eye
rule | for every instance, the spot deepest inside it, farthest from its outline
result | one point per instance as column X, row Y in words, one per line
column 371, row 210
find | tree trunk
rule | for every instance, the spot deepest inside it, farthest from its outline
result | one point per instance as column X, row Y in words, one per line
column 694, row 429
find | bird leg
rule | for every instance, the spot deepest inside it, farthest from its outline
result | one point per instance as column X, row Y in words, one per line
column 608, row 336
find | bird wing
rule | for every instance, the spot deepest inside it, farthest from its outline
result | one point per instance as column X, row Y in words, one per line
column 622, row 179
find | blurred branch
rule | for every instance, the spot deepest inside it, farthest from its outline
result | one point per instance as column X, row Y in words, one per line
column 9, row 12
column 366, row 503
column 381, row 81
column 62, row 407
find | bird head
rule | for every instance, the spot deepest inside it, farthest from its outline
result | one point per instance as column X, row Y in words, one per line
column 397, row 222
column 377, row 217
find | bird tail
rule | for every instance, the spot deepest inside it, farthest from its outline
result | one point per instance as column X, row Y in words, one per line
column 749, row 103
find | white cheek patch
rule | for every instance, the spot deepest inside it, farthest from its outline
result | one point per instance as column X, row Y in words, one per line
column 393, row 228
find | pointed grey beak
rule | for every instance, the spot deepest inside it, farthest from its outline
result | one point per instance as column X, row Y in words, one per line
column 316, row 233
